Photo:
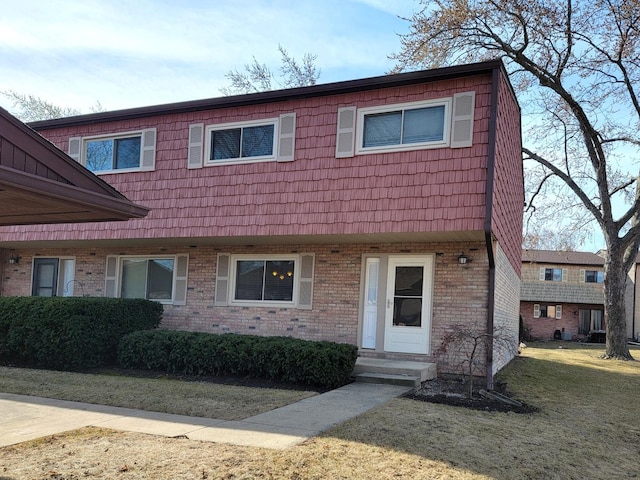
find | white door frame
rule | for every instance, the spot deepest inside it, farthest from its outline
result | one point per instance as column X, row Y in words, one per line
column 409, row 338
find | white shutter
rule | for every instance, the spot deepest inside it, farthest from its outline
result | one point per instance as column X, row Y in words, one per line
column 111, row 277
column 180, row 292
column 462, row 119
column 345, row 136
column 223, row 269
column 542, row 273
column 558, row 312
column 305, row 293
column 565, row 275
column 287, row 137
column 196, row 144
column 74, row 148
column 583, row 276
column 536, row 310
column 148, row 160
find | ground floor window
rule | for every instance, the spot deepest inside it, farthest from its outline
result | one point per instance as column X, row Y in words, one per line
column 268, row 280
column 590, row 320
column 541, row 310
column 265, row 280
column 150, row 278
column 53, row 277
column 160, row 278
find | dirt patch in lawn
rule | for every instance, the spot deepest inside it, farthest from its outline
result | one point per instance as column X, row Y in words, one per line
column 453, row 391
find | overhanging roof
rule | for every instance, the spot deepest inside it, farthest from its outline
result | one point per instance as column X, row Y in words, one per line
column 41, row 184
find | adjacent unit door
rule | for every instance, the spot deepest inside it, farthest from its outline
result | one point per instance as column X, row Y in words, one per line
column 408, row 304
column 45, row 277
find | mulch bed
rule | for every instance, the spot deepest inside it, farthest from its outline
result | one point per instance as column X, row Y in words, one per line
column 454, row 392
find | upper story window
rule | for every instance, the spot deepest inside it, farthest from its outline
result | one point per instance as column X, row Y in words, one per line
column 403, row 126
column 272, row 139
column 553, row 274
column 241, row 141
column 113, row 153
column 124, row 152
column 434, row 123
column 593, row 276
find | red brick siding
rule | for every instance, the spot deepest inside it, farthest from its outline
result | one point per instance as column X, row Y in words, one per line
column 459, row 297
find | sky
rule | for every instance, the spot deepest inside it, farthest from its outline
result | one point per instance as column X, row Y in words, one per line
column 131, row 53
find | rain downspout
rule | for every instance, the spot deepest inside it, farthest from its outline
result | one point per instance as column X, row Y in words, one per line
column 488, row 224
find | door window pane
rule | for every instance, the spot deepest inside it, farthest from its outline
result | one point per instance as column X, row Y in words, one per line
column 407, row 302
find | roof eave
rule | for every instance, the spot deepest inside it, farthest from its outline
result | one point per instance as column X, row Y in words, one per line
column 336, row 88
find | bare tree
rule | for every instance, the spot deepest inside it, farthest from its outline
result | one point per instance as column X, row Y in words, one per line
column 464, row 347
column 576, row 66
column 31, row 108
column 258, row 77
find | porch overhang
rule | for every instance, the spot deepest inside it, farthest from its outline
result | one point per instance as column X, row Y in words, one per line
column 374, row 238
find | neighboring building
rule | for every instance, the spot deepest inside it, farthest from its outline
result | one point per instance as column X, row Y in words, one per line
column 562, row 295
column 340, row 212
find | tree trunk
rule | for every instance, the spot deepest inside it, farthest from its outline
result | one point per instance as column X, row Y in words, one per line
column 615, row 278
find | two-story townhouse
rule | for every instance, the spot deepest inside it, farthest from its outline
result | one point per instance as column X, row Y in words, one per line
column 562, row 295
column 380, row 212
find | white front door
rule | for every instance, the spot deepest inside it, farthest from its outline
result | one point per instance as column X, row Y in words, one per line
column 408, row 304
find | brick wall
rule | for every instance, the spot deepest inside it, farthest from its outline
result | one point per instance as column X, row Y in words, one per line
column 507, row 305
column 459, row 296
column 543, row 328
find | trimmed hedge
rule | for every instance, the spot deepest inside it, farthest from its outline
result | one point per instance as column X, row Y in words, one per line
column 70, row 333
column 322, row 364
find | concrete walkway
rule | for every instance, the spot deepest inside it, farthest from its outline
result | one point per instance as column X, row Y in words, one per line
column 24, row 418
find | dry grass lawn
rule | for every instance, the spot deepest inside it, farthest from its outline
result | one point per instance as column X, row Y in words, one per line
column 161, row 394
column 587, row 428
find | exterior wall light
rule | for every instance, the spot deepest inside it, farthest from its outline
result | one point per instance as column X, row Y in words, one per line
column 463, row 259
column 14, row 259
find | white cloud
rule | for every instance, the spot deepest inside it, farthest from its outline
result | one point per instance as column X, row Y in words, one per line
column 132, row 53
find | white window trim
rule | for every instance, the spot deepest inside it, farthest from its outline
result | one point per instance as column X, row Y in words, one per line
column 116, row 136
column 148, row 257
column 227, row 126
column 264, row 303
column 362, row 112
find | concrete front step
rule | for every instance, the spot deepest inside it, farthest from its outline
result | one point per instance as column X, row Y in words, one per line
column 394, row 372
column 389, row 379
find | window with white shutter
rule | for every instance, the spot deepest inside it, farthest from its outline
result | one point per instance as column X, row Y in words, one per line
column 123, row 152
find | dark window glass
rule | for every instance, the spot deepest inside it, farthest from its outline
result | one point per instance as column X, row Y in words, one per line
column 593, row 276
column 264, row 280
column 113, row 154
column 225, row 144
